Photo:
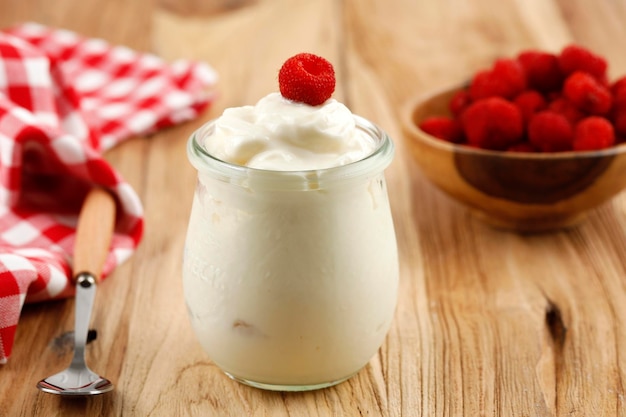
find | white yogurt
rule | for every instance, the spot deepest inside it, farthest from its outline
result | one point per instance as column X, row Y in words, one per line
column 279, row 134
column 290, row 277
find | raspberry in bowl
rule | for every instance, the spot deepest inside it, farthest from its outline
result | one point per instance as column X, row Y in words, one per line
column 530, row 144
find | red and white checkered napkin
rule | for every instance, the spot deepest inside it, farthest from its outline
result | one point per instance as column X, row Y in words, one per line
column 64, row 100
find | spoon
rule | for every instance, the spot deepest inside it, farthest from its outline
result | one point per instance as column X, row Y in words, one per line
column 96, row 222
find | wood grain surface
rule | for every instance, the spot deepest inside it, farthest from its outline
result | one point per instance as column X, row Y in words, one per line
column 489, row 323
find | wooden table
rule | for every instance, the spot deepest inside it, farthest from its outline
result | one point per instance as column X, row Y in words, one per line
column 489, row 323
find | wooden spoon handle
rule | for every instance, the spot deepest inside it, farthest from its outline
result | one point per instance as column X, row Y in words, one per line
column 94, row 231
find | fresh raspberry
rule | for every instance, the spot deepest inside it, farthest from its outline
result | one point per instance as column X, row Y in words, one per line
column 542, row 70
column 618, row 112
column 577, row 58
column 482, row 86
column 529, row 102
column 619, row 120
column 619, row 86
column 459, row 102
column 522, row 147
column 550, row 132
column 618, row 90
column 443, row 127
column 512, row 72
column 593, row 133
column 492, row 123
column 566, row 108
column 307, row 78
column 505, row 79
column 587, row 93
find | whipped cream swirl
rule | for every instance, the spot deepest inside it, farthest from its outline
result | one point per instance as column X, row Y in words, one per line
column 283, row 135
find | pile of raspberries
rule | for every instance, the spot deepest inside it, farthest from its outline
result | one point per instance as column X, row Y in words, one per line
column 537, row 102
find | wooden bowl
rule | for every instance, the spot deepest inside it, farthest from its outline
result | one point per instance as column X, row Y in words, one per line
column 526, row 192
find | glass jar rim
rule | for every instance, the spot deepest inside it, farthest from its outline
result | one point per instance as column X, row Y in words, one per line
column 372, row 164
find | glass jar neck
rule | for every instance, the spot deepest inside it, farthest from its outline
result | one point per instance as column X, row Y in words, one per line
column 372, row 165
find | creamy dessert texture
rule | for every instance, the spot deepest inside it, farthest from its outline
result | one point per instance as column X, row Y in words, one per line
column 280, row 134
column 290, row 286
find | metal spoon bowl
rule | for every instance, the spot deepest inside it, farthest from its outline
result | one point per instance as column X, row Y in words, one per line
column 93, row 237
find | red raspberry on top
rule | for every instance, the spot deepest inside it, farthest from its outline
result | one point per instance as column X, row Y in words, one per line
column 577, row 58
column 443, row 127
column 307, row 78
column 542, row 70
column 587, row 93
column 550, row 132
column 505, row 79
column 593, row 133
column 492, row 123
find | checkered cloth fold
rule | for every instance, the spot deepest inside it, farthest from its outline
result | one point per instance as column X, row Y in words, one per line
column 64, row 100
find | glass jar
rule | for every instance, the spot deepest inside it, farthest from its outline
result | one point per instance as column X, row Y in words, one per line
column 290, row 277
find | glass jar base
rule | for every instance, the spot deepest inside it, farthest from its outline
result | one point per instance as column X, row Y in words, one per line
column 287, row 388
